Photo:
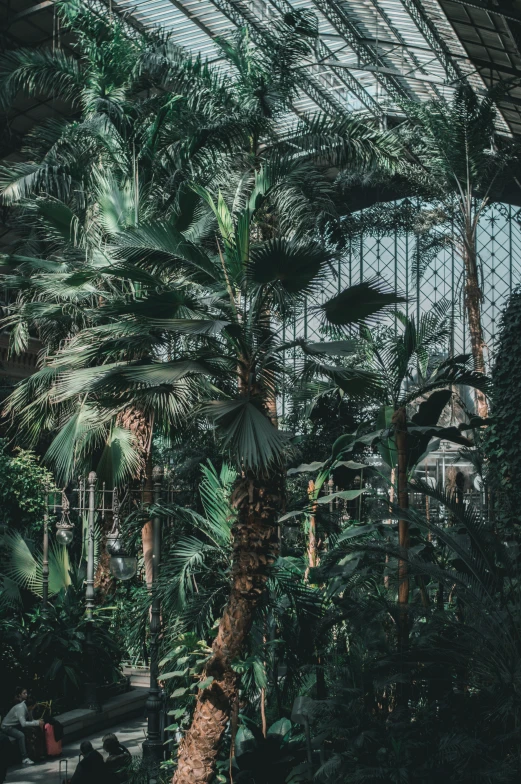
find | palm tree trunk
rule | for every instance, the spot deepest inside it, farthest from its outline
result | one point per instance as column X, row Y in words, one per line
column 141, row 426
column 473, row 298
column 312, row 536
column 255, row 547
column 147, row 535
column 399, row 421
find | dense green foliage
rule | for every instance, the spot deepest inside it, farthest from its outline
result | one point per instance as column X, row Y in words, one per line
column 174, row 228
column 23, row 488
column 50, row 653
column 503, row 436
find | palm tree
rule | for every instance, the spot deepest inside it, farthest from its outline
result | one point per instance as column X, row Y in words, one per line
column 193, row 587
column 458, row 167
column 405, row 372
column 138, row 105
column 193, row 122
column 218, row 310
column 142, row 107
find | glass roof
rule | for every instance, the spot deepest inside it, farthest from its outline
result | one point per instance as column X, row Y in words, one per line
column 370, row 55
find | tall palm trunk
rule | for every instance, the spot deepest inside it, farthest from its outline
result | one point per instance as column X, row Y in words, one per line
column 312, row 535
column 147, row 533
column 473, row 298
column 399, row 421
column 255, row 547
column 140, row 426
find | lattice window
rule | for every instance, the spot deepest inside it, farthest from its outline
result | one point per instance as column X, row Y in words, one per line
column 392, row 258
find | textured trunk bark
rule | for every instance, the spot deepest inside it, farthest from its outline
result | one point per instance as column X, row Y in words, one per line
column 138, row 423
column 391, row 499
column 255, row 547
column 103, row 580
column 147, row 534
column 473, row 298
column 399, row 421
column 312, row 536
column 141, row 426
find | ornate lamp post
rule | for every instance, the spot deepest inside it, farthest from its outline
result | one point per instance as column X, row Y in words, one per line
column 153, row 748
column 90, row 687
column 89, row 591
column 45, row 566
column 64, row 535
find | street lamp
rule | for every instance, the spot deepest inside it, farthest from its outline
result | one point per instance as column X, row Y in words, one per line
column 122, row 566
column 153, row 748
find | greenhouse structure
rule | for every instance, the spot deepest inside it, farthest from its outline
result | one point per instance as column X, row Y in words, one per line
column 260, row 360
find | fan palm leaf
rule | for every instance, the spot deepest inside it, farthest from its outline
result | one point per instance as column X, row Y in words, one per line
column 24, row 568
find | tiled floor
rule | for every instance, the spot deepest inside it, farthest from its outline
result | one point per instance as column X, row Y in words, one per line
column 130, row 733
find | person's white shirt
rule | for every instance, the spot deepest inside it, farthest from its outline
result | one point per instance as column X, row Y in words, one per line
column 19, row 716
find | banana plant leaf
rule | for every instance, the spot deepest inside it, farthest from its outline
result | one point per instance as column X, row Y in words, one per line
column 419, row 432
column 428, row 414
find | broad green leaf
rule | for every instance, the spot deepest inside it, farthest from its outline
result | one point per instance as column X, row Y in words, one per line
column 306, row 468
column 348, row 495
column 431, row 409
column 343, row 443
column 180, row 692
column 280, row 728
column 337, row 348
column 244, row 741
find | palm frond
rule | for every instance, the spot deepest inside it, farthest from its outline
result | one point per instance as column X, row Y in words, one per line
column 296, row 267
column 360, row 304
column 247, row 432
column 39, row 71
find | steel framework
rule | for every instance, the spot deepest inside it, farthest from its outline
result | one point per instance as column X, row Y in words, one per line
column 393, row 258
column 373, row 56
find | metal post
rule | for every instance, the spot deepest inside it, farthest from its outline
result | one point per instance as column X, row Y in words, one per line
column 89, row 593
column 153, row 749
column 45, row 565
column 90, row 687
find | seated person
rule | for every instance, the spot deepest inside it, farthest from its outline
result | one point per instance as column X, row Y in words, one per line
column 91, row 768
column 17, row 719
column 20, row 694
column 118, row 759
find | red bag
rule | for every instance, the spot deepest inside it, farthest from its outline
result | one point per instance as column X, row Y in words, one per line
column 54, row 747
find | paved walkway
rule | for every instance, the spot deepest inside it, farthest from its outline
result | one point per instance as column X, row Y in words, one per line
column 130, row 733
